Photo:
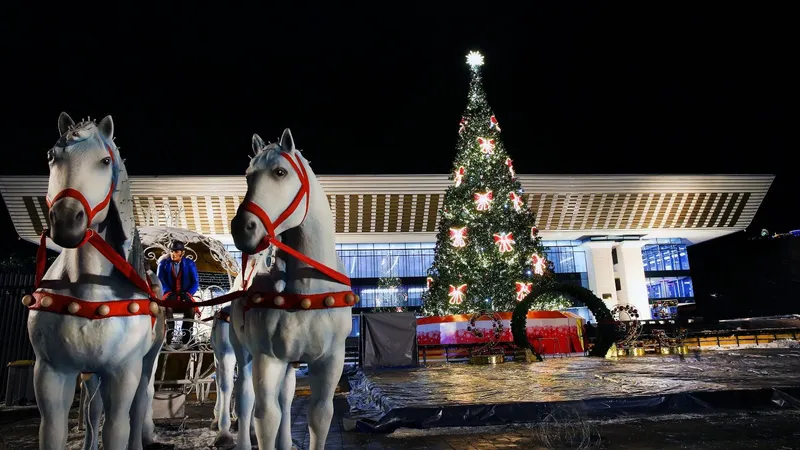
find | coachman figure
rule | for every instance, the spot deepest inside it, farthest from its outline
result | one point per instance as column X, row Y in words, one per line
column 179, row 281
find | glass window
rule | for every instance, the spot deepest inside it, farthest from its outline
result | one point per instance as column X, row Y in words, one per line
column 662, row 257
column 375, row 297
column 398, row 261
column 670, row 287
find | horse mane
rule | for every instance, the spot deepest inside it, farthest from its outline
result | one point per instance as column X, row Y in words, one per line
column 120, row 225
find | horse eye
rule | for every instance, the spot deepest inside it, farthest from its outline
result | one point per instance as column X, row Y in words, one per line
column 106, row 160
column 51, row 156
column 280, row 172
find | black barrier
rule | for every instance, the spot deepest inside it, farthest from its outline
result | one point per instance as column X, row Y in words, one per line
column 388, row 340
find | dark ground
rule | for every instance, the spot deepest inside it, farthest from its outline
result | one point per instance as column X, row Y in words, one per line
column 729, row 431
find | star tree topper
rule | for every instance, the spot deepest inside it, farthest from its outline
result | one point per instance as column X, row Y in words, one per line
column 474, row 59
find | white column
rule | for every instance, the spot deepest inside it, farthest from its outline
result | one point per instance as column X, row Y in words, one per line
column 631, row 277
column 600, row 270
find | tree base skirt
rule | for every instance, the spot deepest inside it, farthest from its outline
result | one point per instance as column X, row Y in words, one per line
column 487, row 359
column 630, row 351
column 525, row 355
column 678, row 350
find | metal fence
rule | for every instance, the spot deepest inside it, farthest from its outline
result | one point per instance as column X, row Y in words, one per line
column 14, row 342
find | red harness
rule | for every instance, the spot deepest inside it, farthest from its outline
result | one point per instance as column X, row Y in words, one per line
column 62, row 304
column 290, row 300
column 122, row 308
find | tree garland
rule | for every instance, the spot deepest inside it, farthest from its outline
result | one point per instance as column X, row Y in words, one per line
column 581, row 297
column 497, row 325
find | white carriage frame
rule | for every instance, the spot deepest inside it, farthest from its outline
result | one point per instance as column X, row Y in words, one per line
column 199, row 343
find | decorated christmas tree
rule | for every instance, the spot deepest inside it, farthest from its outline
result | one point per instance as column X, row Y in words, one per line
column 488, row 252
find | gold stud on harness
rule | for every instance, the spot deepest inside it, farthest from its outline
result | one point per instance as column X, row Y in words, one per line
column 329, row 301
column 47, row 302
column 103, row 310
column 133, row 308
column 279, row 301
column 306, row 303
column 27, row 300
column 73, row 308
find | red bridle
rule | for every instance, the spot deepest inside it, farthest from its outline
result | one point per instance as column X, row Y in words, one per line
column 270, row 238
column 77, row 195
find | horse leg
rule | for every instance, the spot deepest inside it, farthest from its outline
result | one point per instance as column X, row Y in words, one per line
column 118, row 387
column 149, row 429
column 244, row 393
column 93, row 411
column 55, row 392
column 226, row 365
column 218, row 404
column 285, row 400
column 142, row 427
column 323, row 376
column 267, row 384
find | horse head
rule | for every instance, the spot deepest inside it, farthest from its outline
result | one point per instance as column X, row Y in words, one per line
column 277, row 196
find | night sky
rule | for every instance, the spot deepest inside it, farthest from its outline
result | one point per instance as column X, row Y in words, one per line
column 381, row 91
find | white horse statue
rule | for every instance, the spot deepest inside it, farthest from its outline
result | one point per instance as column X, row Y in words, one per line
column 300, row 313
column 227, row 351
column 93, row 312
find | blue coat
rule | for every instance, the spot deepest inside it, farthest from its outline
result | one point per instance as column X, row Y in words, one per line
column 189, row 281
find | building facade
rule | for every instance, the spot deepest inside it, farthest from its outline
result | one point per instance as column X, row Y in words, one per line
column 622, row 236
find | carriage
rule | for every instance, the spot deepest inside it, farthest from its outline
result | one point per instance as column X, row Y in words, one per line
column 186, row 366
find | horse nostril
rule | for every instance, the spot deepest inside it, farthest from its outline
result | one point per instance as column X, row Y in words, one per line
column 251, row 225
column 79, row 216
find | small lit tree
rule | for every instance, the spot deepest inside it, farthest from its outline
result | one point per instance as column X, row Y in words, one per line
column 488, row 253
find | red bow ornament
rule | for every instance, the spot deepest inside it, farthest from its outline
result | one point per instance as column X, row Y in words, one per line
column 458, row 236
column 516, row 200
column 483, row 200
column 487, row 145
column 459, row 175
column 457, row 294
column 493, row 123
column 505, row 242
column 523, row 289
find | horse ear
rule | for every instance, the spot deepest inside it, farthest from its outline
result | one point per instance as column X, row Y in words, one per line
column 258, row 143
column 287, row 142
column 64, row 123
column 106, row 128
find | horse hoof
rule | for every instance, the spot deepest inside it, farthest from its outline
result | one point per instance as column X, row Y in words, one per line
column 151, row 442
column 224, row 440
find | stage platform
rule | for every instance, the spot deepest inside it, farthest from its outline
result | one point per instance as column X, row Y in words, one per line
column 458, row 395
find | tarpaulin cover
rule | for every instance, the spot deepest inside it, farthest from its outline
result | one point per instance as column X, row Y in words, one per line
column 467, row 395
column 389, row 340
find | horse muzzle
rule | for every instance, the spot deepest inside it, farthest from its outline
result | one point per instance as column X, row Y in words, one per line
column 248, row 232
column 68, row 223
